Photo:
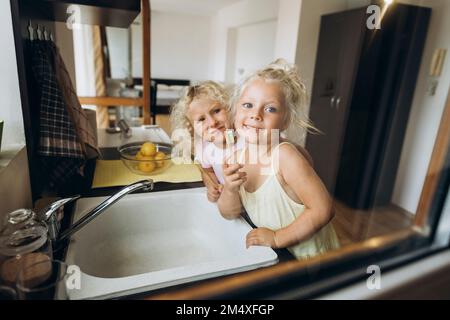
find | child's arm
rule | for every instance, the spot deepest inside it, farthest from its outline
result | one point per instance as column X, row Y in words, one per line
column 229, row 202
column 212, row 184
column 310, row 190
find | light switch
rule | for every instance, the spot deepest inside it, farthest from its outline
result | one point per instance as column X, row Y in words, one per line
column 432, row 87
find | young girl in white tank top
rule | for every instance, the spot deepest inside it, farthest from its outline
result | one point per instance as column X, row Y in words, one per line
column 272, row 181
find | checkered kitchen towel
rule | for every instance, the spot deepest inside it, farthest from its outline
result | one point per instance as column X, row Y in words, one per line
column 60, row 146
column 83, row 128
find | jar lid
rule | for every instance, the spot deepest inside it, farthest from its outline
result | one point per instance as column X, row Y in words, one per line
column 24, row 240
column 19, row 216
column 16, row 220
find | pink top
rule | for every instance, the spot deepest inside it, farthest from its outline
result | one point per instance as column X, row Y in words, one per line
column 211, row 156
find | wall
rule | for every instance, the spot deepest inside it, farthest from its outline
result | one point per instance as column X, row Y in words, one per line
column 11, row 108
column 274, row 35
column 253, row 49
column 426, row 112
column 288, row 29
column 84, row 60
column 15, row 190
column 118, row 47
column 196, row 47
column 180, row 46
column 243, row 13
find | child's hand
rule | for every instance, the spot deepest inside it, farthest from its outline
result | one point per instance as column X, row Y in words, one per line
column 213, row 192
column 261, row 237
column 233, row 177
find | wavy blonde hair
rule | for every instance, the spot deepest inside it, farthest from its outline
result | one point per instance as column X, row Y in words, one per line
column 212, row 90
column 295, row 94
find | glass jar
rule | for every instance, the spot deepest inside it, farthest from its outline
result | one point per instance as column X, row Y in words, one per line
column 23, row 239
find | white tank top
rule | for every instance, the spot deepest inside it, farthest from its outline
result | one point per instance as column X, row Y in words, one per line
column 271, row 207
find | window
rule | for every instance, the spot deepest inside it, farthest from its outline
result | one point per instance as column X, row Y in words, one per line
column 378, row 95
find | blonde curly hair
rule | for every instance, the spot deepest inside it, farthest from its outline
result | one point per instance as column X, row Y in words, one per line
column 295, row 93
column 212, row 90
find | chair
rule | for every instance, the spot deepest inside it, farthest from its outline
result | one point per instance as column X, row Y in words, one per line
column 163, row 99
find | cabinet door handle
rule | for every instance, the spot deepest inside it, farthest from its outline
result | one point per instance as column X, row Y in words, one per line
column 332, row 101
column 338, row 102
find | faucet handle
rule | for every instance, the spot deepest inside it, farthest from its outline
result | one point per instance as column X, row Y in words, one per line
column 46, row 213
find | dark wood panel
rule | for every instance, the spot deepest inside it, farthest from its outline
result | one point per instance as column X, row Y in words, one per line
column 340, row 43
column 112, row 13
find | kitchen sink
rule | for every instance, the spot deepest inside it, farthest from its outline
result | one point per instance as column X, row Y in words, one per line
column 149, row 241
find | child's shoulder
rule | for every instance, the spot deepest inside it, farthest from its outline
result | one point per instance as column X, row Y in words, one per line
column 291, row 150
column 288, row 149
column 292, row 156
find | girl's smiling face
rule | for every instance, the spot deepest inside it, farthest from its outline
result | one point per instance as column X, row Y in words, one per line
column 260, row 109
column 209, row 118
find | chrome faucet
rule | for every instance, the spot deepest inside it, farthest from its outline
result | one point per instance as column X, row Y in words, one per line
column 49, row 213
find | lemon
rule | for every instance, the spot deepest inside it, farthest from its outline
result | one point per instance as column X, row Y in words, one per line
column 148, row 149
column 139, row 156
column 160, row 157
column 147, row 166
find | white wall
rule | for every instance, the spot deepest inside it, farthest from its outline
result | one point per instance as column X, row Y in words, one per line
column 253, row 49
column 243, row 13
column 83, row 44
column 15, row 190
column 258, row 40
column 11, row 108
column 118, row 46
column 136, row 48
column 289, row 12
column 426, row 112
column 196, row 47
column 180, row 46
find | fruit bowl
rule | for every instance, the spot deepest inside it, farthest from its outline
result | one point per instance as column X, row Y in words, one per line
column 146, row 158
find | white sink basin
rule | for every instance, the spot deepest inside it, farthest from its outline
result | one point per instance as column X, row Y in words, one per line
column 154, row 240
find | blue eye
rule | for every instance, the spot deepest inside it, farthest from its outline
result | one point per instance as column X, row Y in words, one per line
column 247, row 105
column 271, row 109
column 217, row 110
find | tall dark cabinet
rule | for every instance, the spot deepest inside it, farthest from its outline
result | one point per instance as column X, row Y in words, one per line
column 363, row 88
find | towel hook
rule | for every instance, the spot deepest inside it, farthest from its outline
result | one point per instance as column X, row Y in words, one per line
column 39, row 32
column 30, row 31
column 45, row 34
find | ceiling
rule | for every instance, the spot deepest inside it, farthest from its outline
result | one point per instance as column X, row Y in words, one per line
column 197, row 7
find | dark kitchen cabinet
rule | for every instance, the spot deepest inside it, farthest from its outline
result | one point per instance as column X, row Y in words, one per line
column 363, row 88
